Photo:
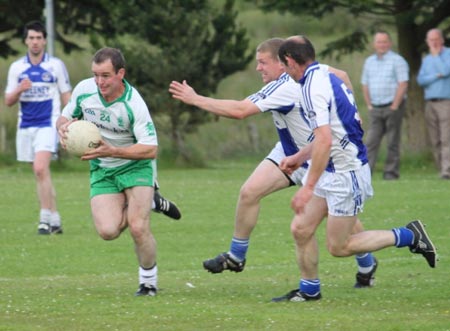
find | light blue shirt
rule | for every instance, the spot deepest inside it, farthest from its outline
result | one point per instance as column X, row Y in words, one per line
column 382, row 75
column 435, row 87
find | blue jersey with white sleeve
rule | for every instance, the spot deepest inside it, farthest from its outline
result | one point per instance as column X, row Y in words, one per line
column 42, row 102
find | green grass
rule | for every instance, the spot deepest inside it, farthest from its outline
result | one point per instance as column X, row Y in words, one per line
column 76, row 281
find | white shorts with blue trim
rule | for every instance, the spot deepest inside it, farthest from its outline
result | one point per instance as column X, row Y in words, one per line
column 29, row 141
column 345, row 192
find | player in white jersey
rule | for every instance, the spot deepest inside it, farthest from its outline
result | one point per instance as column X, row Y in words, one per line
column 39, row 82
column 120, row 123
column 338, row 180
column 123, row 167
column 280, row 97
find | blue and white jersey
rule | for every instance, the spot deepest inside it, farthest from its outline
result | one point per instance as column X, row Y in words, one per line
column 327, row 101
column 281, row 97
column 42, row 101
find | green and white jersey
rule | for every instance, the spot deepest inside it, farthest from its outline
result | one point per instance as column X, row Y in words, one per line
column 123, row 122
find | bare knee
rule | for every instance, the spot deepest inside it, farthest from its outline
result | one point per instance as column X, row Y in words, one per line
column 40, row 171
column 139, row 230
column 108, row 233
column 301, row 232
column 337, row 250
column 248, row 195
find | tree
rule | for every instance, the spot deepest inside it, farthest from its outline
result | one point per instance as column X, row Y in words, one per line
column 80, row 16
column 163, row 40
column 185, row 40
column 411, row 20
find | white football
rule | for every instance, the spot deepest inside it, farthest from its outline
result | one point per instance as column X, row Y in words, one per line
column 82, row 136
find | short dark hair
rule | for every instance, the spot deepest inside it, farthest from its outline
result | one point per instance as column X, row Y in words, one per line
column 383, row 32
column 109, row 53
column 35, row 26
column 298, row 48
column 270, row 46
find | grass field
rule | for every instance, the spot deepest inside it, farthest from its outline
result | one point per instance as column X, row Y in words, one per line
column 76, row 281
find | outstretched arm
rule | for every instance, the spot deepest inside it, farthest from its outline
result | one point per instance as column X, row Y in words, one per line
column 221, row 107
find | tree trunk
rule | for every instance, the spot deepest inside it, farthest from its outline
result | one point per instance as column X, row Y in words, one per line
column 415, row 130
column 179, row 145
column 409, row 47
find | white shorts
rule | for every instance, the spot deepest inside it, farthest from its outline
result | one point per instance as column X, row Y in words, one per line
column 277, row 154
column 345, row 192
column 29, row 141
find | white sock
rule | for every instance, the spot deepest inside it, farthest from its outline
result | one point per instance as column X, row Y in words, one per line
column 365, row 270
column 149, row 276
column 45, row 216
column 55, row 219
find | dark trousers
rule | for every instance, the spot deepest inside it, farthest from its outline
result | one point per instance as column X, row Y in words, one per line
column 385, row 122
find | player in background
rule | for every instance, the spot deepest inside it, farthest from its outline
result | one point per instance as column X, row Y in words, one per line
column 40, row 84
column 280, row 97
column 338, row 179
column 123, row 167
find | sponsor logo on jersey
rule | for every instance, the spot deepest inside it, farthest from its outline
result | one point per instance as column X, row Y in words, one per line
column 37, row 92
column 150, row 129
column 46, row 77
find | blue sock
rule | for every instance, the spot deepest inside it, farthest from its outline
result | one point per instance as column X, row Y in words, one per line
column 238, row 248
column 365, row 262
column 403, row 237
column 310, row 287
